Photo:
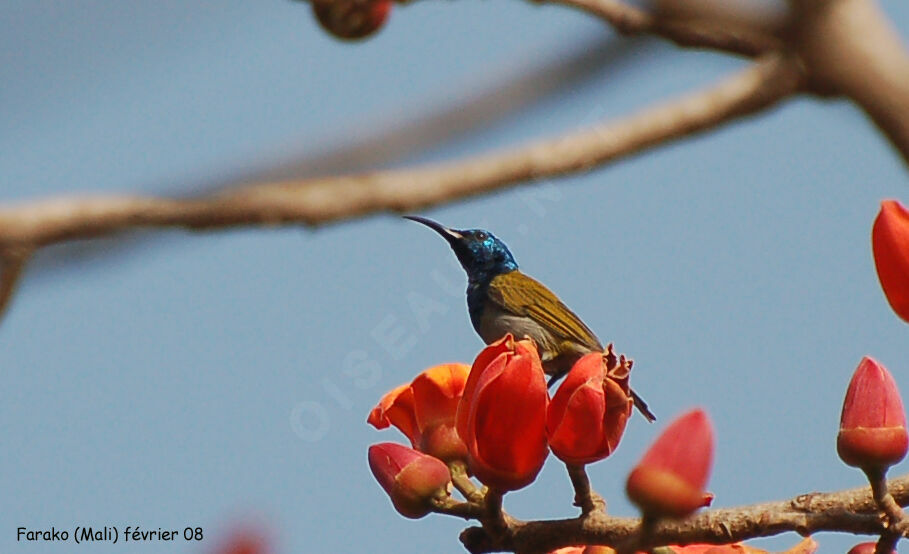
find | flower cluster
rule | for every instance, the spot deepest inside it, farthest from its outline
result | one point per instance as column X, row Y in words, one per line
column 495, row 421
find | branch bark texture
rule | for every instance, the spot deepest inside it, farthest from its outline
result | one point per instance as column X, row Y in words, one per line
column 850, row 511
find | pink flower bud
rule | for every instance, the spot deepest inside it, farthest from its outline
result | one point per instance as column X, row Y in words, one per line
column 669, row 481
column 872, row 425
column 410, row 478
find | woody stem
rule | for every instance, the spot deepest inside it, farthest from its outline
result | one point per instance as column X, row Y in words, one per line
column 584, row 497
column 495, row 517
column 462, row 482
column 884, row 500
column 886, row 543
column 447, row 505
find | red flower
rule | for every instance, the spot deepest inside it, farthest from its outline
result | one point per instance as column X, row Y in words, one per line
column 351, row 19
column 872, row 425
column 587, row 415
column 397, row 408
column 425, row 409
column 409, row 477
column 670, row 479
column 890, row 243
column 502, row 415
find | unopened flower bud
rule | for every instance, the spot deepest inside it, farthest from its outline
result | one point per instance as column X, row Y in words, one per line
column 872, row 425
column 669, row 480
column 410, row 478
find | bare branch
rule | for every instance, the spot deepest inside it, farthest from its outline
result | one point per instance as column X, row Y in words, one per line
column 850, row 511
column 694, row 33
column 325, row 200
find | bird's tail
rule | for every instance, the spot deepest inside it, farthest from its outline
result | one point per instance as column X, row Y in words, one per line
column 642, row 407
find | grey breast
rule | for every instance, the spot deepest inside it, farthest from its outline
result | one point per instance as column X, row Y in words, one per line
column 496, row 322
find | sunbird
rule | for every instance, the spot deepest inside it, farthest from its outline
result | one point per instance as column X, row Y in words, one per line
column 501, row 299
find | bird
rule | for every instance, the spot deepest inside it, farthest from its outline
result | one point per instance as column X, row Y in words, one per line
column 501, row 299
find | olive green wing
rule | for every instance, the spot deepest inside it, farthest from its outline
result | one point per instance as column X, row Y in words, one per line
column 521, row 295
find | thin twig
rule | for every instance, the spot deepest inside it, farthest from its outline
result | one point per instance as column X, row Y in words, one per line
column 584, row 497
column 896, row 518
column 452, row 507
column 462, row 482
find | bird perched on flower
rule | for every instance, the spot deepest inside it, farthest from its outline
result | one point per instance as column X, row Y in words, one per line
column 501, row 299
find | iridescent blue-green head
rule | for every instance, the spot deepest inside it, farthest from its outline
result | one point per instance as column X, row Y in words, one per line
column 482, row 255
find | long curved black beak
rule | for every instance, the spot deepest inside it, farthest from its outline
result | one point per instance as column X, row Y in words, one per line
column 450, row 235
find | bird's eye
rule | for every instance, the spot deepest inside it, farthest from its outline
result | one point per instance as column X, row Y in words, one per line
column 482, row 236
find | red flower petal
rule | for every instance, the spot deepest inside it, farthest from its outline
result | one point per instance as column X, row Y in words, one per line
column 890, row 244
column 397, row 408
column 588, row 414
column 502, row 415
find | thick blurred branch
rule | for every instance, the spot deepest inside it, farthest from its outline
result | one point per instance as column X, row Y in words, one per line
column 849, row 511
column 827, row 47
column 714, row 34
column 325, row 200
column 850, row 49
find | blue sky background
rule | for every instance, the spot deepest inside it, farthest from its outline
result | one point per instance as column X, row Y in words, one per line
column 174, row 379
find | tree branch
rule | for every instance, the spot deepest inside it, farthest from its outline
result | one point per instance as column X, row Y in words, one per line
column 325, row 200
column 851, row 511
column 693, row 33
column 851, row 49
